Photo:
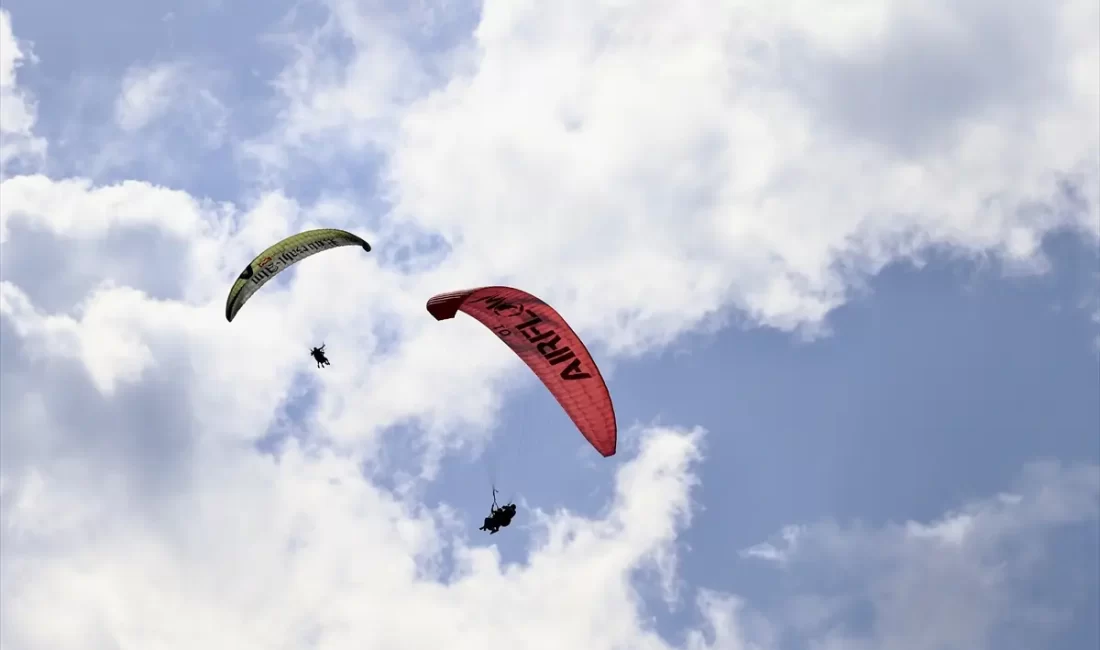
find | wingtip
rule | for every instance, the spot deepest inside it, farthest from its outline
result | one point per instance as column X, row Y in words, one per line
column 446, row 305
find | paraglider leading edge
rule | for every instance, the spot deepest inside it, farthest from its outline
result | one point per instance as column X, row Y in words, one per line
column 542, row 338
column 282, row 255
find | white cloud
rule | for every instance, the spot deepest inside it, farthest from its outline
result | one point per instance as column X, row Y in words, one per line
column 772, row 552
column 304, row 552
column 641, row 168
column 73, row 207
column 963, row 581
column 150, row 93
column 147, row 93
column 17, row 107
column 763, row 156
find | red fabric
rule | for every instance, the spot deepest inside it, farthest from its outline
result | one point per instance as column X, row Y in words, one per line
column 541, row 337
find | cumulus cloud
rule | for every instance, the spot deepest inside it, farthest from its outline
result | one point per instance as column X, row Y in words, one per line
column 17, row 107
column 644, row 170
column 304, row 552
column 967, row 580
column 762, row 156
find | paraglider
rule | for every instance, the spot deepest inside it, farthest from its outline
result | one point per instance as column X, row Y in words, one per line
column 530, row 327
column 281, row 256
column 549, row 346
column 499, row 517
column 319, row 356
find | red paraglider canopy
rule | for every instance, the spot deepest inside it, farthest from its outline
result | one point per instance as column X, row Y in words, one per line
column 541, row 337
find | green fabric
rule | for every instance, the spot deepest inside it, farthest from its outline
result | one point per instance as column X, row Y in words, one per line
column 282, row 255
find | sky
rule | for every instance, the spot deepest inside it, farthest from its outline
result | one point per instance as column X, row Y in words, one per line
column 839, row 264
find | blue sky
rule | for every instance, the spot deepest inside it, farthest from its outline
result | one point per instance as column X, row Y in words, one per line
column 839, row 267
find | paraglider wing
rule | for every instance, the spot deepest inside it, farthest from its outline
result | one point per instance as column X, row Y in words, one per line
column 286, row 253
column 541, row 337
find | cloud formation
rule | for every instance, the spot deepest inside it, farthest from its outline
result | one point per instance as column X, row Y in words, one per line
column 17, row 108
column 761, row 156
column 645, row 170
column 977, row 577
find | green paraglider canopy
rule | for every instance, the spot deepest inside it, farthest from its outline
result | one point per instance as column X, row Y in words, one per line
column 282, row 255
